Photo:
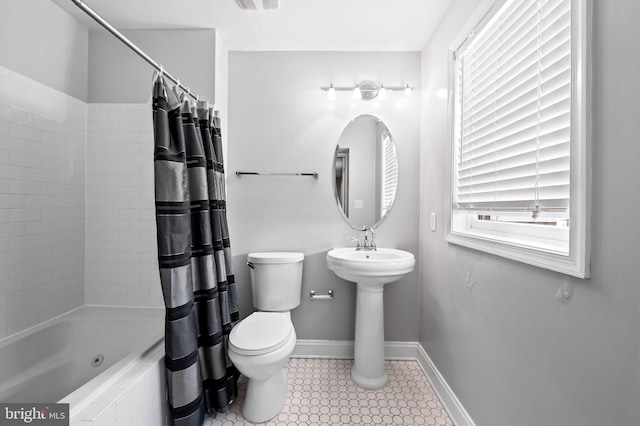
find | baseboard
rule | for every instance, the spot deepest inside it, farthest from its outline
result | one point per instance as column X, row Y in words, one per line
column 343, row 349
column 451, row 402
column 332, row 349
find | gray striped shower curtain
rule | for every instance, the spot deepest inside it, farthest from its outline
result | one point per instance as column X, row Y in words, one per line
column 194, row 256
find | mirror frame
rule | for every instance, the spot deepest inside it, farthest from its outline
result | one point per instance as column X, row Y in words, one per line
column 333, row 177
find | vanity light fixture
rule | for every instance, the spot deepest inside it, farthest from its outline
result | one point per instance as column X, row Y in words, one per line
column 270, row 4
column 365, row 90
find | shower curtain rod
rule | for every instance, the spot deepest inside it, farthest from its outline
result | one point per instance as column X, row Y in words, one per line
column 100, row 20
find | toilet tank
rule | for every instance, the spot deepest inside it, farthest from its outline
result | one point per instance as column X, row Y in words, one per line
column 276, row 280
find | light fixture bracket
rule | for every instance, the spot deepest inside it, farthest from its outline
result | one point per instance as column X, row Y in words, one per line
column 368, row 90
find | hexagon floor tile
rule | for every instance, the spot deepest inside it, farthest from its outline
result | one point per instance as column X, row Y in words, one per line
column 321, row 393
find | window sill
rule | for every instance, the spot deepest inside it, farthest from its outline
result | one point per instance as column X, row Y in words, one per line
column 553, row 261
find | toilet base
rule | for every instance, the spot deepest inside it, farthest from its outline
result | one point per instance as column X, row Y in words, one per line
column 265, row 398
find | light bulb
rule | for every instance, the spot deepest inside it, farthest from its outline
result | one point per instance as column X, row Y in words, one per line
column 407, row 90
column 356, row 93
column 331, row 94
column 382, row 93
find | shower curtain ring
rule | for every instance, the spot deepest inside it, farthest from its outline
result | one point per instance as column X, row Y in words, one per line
column 158, row 74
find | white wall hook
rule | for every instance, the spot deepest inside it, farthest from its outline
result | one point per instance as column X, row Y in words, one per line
column 565, row 292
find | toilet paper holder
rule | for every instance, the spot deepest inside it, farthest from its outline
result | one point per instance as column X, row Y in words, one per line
column 314, row 296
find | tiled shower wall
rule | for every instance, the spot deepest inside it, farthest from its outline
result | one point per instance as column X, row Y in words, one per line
column 121, row 255
column 77, row 217
column 42, row 200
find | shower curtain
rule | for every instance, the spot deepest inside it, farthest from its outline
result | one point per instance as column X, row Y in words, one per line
column 194, row 256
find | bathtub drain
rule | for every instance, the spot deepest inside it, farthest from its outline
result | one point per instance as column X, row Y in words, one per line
column 97, row 360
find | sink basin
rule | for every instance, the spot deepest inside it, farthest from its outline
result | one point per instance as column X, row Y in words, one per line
column 381, row 266
column 370, row 270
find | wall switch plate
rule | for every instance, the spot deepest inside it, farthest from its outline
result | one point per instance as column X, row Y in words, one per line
column 433, row 222
column 357, row 204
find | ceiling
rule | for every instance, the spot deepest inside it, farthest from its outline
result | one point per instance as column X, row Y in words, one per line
column 322, row 25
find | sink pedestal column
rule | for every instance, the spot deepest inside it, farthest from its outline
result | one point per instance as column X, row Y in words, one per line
column 368, row 368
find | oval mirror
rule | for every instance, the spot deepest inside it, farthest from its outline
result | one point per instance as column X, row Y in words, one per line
column 365, row 172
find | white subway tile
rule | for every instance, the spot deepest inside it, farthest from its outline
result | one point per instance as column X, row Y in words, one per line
column 13, row 116
column 42, row 149
column 39, row 175
column 13, row 171
column 13, row 201
column 24, row 187
column 41, row 123
column 24, row 160
column 23, row 132
column 11, row 144
column 42, row 201
column 108, row 300
column 21, row 323
column 24, row 215
column 92, row 299
column 153, row 301
column 24, row 242
column 5, row 127
column 5, row 98
column 16, row 298
column 37, row 253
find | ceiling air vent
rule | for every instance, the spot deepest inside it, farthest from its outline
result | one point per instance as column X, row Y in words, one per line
column 270, row 4
column 251, row 4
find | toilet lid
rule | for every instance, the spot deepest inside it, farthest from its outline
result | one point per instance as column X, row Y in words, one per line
column 261, row 332
column 275, row 257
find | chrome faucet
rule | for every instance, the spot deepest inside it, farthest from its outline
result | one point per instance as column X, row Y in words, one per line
column 372, row 241
column 368, row 243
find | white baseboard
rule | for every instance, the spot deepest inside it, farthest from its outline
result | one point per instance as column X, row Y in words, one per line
column 332, row 349
column 343, row 349
column 450, row 401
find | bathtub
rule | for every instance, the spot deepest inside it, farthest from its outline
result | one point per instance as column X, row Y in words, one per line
column 91, row 358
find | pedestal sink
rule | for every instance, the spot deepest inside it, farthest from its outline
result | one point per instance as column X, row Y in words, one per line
column 370, row 270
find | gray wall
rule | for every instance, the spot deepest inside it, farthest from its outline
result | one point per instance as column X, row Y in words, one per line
column 512, row 353
column 118, row 75
column 43, row 42
column 280, row 121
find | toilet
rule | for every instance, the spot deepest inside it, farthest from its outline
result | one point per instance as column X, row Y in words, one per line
column 260, row 345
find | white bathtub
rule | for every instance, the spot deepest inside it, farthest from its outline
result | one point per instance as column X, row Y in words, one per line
column 89, row 358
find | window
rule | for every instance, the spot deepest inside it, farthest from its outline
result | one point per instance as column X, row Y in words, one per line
column 519, row 136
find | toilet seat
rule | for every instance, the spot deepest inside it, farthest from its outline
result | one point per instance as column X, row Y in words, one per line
column 261, row 333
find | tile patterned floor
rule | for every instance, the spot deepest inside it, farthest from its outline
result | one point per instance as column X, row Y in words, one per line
column 321, row 393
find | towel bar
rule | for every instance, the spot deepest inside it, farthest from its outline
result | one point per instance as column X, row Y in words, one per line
column 314, row 174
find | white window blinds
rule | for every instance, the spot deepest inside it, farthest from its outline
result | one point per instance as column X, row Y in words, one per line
column 513, row 110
